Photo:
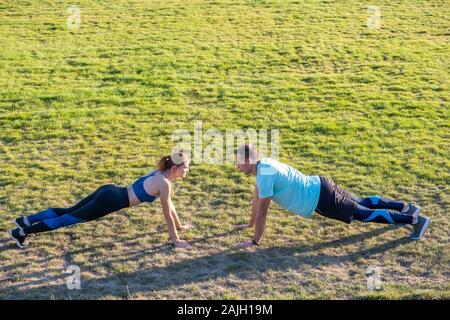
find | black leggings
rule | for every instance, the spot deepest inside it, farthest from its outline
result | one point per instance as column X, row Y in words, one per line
column 106, row 199
column 381, row 210
column 337, row 203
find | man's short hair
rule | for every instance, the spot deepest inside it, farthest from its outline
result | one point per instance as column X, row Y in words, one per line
column 247, row 152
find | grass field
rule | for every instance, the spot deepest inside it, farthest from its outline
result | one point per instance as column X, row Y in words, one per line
column 84, row 107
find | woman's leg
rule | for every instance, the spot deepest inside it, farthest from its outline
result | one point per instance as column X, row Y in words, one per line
column 111, row 198
column 381, row 216
column 56, row 212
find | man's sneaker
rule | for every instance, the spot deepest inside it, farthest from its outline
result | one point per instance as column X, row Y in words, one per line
column 21, row 222
column 20, row 240
column 419, row 228
column 414, row 211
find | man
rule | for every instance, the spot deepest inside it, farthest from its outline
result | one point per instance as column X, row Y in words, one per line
column 303, row 195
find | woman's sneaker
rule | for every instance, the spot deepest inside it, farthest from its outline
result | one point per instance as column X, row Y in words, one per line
column 19, row 239
column 419, row 228
column 22, row 222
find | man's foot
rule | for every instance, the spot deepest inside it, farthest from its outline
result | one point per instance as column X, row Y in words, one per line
column 22, row 222
column 18, row 238
column 419, row 228
column 414, row 211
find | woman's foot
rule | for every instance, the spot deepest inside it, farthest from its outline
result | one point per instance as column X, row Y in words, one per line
column 22, row 222
column 16, row 235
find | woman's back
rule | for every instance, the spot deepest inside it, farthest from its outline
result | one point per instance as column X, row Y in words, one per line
column 145, row 188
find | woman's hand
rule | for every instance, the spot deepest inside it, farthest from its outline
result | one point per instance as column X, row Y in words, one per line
column 186, row 227
column 241, row 226
column 245, row 245
column 182, row 244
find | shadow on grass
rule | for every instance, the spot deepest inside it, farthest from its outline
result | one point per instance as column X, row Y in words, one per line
column 241, row 264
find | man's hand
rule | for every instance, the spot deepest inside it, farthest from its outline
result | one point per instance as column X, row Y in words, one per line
column 245, row 245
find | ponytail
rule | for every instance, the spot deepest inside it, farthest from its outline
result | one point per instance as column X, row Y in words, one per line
column 167, row 162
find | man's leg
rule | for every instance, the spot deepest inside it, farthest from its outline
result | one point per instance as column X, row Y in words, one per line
column 382, row 216
column 337, row 203
column 377, row 202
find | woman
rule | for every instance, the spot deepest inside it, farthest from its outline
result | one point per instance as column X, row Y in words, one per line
column 110, row 198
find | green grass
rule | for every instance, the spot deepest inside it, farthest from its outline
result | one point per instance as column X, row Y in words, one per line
column 81, row 108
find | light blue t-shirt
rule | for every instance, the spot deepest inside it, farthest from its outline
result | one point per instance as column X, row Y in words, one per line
column 288, row 187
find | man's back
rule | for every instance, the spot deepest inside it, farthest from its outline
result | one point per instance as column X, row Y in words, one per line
column 287, row 186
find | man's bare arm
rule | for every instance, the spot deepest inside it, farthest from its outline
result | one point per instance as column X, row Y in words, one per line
column 260, row 225
column 251, row 224
column 255, row 203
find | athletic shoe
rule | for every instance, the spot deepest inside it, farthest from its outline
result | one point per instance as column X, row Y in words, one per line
column 20, row 240
column 419, row 228
column 21, row 222
column 413, row 209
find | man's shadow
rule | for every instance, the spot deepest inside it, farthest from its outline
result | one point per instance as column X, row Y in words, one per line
column 242, row 264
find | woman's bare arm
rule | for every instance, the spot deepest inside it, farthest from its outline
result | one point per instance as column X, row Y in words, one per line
column 177, row 220
column 173, row 212
column 171, row 224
